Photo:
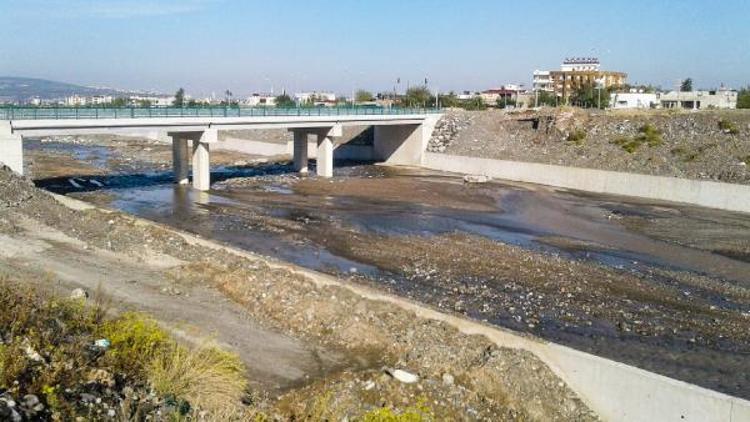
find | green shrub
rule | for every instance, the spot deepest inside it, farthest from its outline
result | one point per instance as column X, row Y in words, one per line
column 135, row 340
column 728, row 127
column 418, row 413
column 647, row 134
column 577, row 136
column 628, row 144
column 650, row 135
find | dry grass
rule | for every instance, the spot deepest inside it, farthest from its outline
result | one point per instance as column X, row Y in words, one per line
column 207, row 377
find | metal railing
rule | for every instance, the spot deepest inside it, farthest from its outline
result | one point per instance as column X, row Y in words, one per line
column 49, row 113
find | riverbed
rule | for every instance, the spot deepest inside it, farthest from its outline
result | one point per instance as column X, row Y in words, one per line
column 661, row 286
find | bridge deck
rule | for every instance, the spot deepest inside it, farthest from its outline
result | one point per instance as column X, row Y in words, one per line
column 78, row 113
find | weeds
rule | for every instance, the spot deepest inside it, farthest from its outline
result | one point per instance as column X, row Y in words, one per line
column 47, row 348
column 207, row 377
column 647, row 134
column 135, row 339
column 418, row 413
column 728, row 127
column 577, row 136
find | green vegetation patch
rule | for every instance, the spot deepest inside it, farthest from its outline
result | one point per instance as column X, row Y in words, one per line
column 647, row 134
column 74, row 360
column 576, row 137
column 728, row 127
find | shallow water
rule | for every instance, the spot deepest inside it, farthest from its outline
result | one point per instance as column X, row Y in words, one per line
column 280, row 215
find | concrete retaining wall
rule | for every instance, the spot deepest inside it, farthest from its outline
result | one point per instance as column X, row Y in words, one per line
column 11, row 148
column 725, row 196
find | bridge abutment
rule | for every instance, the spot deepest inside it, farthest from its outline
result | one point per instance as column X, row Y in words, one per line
column 403, row 144
column 11, row 148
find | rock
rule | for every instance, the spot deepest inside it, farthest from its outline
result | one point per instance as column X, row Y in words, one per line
column 79, row 294
column 102, row 343
column 30, row 400
column 403, row 376
column 448, row 379
column 100, row 376
column 31, row 353
column 480, row 178
column 88, row 398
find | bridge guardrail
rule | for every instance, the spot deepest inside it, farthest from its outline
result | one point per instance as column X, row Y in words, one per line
column 67, row 113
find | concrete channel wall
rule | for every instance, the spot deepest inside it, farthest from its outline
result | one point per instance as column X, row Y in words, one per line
column 726, row 196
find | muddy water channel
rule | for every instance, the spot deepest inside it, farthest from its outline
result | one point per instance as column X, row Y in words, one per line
column 659, row 286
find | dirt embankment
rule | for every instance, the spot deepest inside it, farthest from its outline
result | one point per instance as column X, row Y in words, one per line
column 195, row 289
column 705, row 145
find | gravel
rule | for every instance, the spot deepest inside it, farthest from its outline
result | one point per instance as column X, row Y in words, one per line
column 693, row 144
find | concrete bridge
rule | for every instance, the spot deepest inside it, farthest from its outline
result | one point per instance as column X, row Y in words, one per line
column 401, row 134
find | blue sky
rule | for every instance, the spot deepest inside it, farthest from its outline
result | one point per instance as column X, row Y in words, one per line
column 253, row 45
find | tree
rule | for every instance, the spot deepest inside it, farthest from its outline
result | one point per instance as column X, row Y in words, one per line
column 285, row 100
column 417, row 97
column 363, row 96
column 590, row 96
column 743, row 97
column 546, row 98
column 179, row 98
column 686, row 85
column 119, row 102
column 507, row 101
column 449, row 100
column 475, row 103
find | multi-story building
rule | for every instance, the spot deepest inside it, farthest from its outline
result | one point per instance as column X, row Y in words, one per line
column 541, row 81
column 576, row 73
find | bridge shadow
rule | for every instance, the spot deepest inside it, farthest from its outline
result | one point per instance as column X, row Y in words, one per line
column 95, row 182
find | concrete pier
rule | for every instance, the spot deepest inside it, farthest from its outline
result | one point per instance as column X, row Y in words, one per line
column 180, row 159
column 325, row 150
column 300, row 152
column 201, row 156
column 11, row 148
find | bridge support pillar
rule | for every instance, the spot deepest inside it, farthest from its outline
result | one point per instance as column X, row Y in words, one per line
column 11, row 148
column 324, row 158
column 300, row 151
column 180, row 159
column 201, row 158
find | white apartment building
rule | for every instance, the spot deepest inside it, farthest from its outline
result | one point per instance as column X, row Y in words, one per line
column 541, row 81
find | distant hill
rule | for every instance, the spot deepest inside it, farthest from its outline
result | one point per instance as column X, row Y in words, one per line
column 20, row 89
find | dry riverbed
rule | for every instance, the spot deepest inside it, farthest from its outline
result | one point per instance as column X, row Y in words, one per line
column 311, row 350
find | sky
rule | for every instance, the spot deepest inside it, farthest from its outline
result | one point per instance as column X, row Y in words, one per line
column 341, row 45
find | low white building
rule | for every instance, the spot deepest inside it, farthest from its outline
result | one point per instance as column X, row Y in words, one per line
column 154, row 100
column 621, row 100
column 722, row 98
column 259, row 100
column 317, row 98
